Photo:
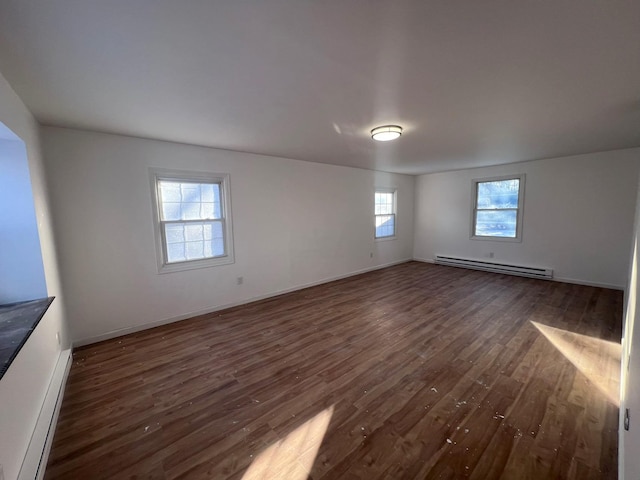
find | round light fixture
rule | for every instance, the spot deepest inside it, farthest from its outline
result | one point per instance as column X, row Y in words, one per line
column 386, row 133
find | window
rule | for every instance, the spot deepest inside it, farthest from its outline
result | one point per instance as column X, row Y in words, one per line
column 497, row 208
column 385, row 213
column 192, row 220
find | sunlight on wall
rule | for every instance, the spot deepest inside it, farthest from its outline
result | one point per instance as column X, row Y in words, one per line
column 293, row 456
column 597, row 359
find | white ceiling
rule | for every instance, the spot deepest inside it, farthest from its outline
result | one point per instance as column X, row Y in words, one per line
column 473, row 82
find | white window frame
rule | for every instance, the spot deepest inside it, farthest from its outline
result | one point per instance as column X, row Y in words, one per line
column 520, row 209
column 158, row 174
column 394, row 191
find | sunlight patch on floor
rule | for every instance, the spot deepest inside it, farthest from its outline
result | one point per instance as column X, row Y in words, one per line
column 293, row 456
column 597, row 359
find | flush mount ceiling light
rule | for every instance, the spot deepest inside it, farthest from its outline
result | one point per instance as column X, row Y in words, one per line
column 386, row 133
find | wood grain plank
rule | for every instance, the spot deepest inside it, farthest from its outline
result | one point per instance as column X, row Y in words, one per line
column 416, row 371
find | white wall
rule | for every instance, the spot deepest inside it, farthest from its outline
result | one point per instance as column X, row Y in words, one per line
column 23, row 387
column 295, row 223
column 21, row 268
column 578, row 216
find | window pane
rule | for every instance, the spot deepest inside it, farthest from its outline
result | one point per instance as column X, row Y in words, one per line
column 190, row 211
column 496, row 223
column 214, row 239
column 217, row 246
column 170, row 211
column 207, row 192
column 206, row 210
column 194, row 250
column 217, row 230
column 193, row 232
column 174, row 233
column 175, row 252
column 170, row 192
column 385, row 226
column 190, row 192
column 189, row 201
column 207, row 231
column 193, row 241
column 383, row 203
column 498, row 194
column 384, row 209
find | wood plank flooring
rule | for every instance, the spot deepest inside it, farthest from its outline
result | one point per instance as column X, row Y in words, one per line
column 414, row 371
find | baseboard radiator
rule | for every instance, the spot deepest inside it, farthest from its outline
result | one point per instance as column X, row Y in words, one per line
column 520, row 270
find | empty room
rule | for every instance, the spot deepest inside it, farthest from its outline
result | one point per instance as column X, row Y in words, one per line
column 288, row 239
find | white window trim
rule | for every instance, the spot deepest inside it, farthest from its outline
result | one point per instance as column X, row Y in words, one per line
column 474, row 198
column 395, row 214
column 156, row 174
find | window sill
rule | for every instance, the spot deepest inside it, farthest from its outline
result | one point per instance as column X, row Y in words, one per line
column 497, row 239
column 385, row 239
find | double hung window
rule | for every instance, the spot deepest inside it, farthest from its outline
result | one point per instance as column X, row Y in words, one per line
column 192, row 219
column 497, row 208
column 385, row 213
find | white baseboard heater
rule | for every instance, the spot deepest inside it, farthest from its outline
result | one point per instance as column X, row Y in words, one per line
column 520, row 270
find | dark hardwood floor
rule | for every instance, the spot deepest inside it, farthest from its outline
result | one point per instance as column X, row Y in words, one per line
column 414, row 371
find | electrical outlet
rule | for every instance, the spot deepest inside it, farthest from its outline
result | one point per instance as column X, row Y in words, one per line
column 239, row 280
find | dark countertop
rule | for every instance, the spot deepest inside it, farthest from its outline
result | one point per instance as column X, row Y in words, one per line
column 17, row 321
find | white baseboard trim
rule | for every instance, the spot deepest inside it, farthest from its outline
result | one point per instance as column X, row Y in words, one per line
column 588, row 283
column 424, row 260
column 555, row 279
column 127, row 330
column 35, row 460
